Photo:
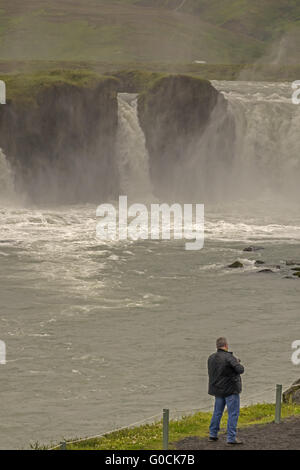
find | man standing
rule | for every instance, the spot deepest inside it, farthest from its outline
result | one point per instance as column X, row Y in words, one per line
column 225, row 385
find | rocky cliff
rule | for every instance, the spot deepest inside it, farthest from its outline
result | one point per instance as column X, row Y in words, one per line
column 59, row 136
column 188, row 130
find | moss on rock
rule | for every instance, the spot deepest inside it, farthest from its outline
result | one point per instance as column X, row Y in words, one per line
column 25, row 88
column 137, row 81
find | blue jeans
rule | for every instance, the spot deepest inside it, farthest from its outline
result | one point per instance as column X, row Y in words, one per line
column 233, row 408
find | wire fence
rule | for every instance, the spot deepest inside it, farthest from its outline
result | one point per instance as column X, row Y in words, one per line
column 175, row 414
column 150, row 419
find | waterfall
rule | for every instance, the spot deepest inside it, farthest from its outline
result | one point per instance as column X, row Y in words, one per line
column 250, row 152
column 249, row 149
column 266, row 158
column 133, row 161
column 205, row 173
column 7, row 189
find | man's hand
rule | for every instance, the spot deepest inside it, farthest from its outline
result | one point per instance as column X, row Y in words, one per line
column 236, row 364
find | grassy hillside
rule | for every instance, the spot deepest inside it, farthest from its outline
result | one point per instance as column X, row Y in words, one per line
column 122, row 31
column 136, row 75
column 261, row 19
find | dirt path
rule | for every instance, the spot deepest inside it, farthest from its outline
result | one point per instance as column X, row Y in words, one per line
column 283, row 436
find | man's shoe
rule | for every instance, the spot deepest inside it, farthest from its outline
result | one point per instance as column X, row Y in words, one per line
column 235, row 443
column 213, row 439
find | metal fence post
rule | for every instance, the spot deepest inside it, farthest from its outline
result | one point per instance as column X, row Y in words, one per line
column 165, row 429
column 278, row 403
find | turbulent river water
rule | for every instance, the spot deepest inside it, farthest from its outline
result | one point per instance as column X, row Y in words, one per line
column 100, row 335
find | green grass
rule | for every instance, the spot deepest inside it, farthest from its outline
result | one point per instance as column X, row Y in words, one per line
column 146, row 31
column 25, row 88
column 262, row 19
column 25, row 79
column 149, row 437
column 137, row 81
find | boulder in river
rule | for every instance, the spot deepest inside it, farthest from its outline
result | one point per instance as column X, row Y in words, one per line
column 267, row 270
column 291, row 262
column 297, row 274
column 253, row 248
column 236, row 264
column 259, row 262
column 292, row 394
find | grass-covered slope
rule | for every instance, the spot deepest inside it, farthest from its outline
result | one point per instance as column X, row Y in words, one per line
column 123, row 31
column 149, row 436
column 141, row 74
column 23, row 87
column 261, row 19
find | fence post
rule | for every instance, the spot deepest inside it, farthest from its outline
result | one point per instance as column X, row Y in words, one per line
column 63, row 445
column 165, row 429
column 278, row 403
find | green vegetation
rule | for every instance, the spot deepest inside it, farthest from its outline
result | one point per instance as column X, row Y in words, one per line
column 26, row 87
column 264, row 20
column 149, row 437
column 24, row 81
column 150, row 31
column 137, row 81
column 161, row 86
column 261, row 19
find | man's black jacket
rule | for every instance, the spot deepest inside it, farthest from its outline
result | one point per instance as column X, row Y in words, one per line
column 224, row 374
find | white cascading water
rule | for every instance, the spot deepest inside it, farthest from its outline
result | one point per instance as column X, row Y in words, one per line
column 204, row 174
column 7, row 189
column 260, row 159
column 266, row 151
column 252, row 155
column 133, row 158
